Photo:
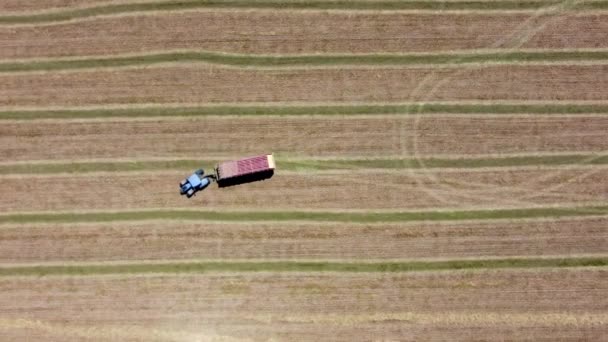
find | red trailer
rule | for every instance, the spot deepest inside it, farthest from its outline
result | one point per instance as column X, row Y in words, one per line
column 245, row 170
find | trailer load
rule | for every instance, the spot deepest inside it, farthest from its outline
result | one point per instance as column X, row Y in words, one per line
column 230, row 173
column 245, row 170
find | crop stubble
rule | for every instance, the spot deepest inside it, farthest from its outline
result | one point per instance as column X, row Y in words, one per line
column 361, row 190
column 492, row 303
column 293, row 32
column 322, row 241
column 456, row 304
column 312, row 136
column 207, row 84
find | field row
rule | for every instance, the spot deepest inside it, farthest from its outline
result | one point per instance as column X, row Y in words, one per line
column 231, row 266
column 378, row 136
column 554, row 57
column 328, row 109
column 19, row 7
column 312, row 216
column 368, row 189
column 307, row 32
column 489, row 303
column 301, row 240
column 201, row 83
column 85, row 9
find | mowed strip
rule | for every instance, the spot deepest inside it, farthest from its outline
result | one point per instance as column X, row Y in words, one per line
column 492, row 303
column 368, row 189
column 306, row 32
column 208, row 84
column 91, row 62
column 162, row 240
column 225, row 136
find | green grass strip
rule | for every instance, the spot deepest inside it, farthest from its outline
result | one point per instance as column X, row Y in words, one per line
column 402, row 109
column 309, row 165
column 500, row 5
column 354, row 217
column 288, row 266
column 304, row 60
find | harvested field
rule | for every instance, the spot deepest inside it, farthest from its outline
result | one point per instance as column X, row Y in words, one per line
column 504, row 291
column 38, row 243
column 492, row 303
column 333, row 136
column 206, row 84
column 333, row 190
column 442, row 170
column 284, row 32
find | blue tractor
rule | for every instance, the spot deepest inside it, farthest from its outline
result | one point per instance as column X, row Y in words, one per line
column 195, row 183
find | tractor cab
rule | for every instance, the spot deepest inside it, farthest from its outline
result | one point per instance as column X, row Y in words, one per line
column 195, row 183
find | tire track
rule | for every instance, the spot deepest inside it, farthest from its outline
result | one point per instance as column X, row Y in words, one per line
column 515, row 40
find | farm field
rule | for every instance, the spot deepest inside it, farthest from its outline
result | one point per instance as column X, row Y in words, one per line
column 442, row 170
column 308, row 32
column 209, row 84
column 494, row 303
